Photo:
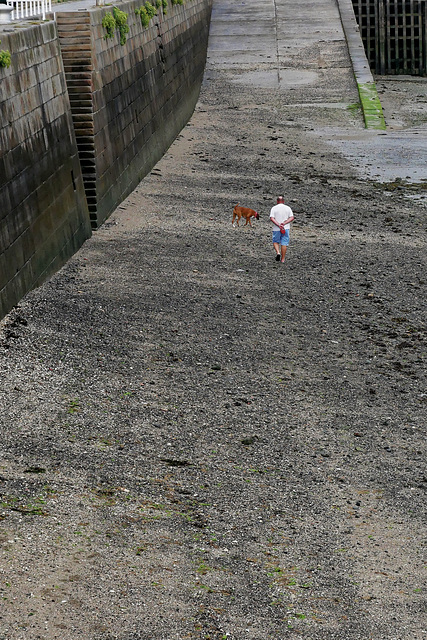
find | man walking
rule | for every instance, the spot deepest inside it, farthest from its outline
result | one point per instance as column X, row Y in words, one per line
column 281, row 216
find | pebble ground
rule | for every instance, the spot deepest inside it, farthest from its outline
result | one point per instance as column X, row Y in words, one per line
column 199, row 442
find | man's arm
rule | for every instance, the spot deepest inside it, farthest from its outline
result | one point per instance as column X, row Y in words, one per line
column 287, row 221
column 290, row 219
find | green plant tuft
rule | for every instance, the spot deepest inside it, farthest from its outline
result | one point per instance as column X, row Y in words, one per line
column 109, row 24
column 151, row 11
column 142, row 13
column 116, row 20
column 121, row 19
column 148, row 11
column 5, row 58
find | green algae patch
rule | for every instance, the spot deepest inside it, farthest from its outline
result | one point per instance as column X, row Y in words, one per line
column 371, row 105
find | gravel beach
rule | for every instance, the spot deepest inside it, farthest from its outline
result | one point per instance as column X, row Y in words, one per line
column 198, row 441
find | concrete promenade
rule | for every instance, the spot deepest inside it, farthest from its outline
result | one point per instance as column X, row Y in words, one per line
column 197, row 441
column 281, row 46
column 274, row 44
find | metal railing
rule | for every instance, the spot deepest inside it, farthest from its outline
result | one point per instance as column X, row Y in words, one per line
column 29, row 8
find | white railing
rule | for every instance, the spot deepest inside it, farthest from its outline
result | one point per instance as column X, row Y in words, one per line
column 29, row 8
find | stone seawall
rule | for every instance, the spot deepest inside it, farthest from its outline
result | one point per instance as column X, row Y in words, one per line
column 129, row 101
column 83, row 119
column 43, row 211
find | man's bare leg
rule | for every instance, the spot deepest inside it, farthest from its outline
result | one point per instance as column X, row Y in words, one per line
column 276, row 245
column 284, row 247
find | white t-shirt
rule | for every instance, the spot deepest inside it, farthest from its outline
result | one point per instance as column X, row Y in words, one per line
column 281, row 212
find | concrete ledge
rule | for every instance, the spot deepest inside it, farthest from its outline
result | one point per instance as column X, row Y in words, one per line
column 371, row 105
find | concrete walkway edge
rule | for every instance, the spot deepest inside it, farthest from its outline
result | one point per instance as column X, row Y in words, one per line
column 371, row 105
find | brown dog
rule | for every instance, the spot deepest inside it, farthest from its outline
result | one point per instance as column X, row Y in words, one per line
column 243, row 212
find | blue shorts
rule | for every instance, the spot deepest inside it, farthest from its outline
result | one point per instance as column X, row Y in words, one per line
column 281, row 238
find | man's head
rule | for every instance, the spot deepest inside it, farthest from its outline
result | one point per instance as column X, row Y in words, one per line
column 280, row 199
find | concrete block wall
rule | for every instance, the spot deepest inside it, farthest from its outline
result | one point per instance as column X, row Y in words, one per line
column 43, row 211
column 130, row 101
column 82, row 120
